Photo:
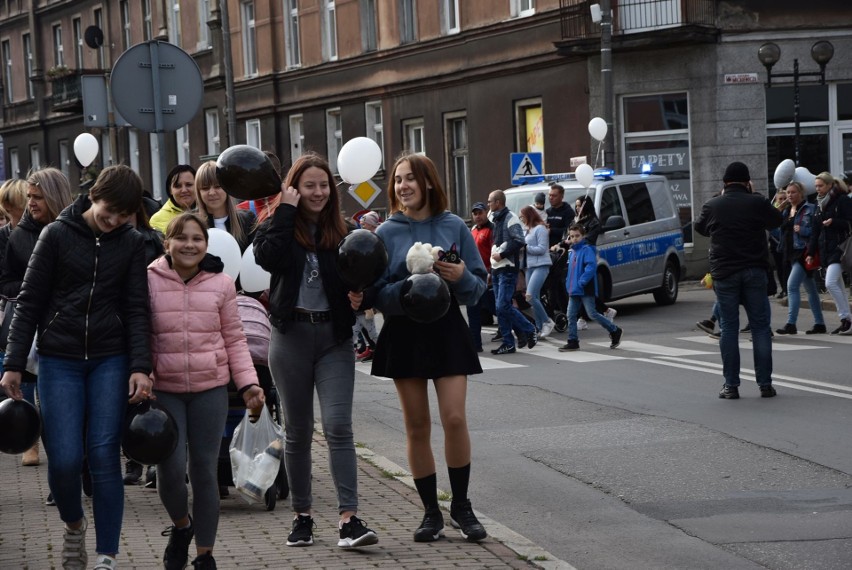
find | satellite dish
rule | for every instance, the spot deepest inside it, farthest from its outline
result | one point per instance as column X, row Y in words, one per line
column 94, row 37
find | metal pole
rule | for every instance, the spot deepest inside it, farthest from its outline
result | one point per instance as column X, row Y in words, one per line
column 227, row 62
column 606, row 81
column 796, row 110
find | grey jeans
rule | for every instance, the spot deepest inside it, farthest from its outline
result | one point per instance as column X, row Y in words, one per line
column 305, row 359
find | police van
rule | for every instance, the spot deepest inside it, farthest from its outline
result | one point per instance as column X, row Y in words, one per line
column 640, row 248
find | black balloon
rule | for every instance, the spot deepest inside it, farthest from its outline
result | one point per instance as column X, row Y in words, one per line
column 425, row 297
column 20, row 426
column 150, row 433
column 361, row 259
column 246, row 173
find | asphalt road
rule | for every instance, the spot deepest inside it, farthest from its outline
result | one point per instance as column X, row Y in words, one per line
column 627, row 459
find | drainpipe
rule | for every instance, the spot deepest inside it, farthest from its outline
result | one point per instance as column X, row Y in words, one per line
column 606, row 81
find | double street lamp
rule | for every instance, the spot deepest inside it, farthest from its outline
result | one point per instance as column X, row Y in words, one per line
column 769, row 54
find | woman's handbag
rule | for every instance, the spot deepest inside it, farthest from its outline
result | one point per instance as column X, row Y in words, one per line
column 846, row 253
column 814, row 264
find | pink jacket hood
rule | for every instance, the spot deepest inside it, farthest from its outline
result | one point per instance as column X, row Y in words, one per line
column 197, row 339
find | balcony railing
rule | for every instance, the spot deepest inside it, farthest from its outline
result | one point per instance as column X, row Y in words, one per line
column 635, row 16
column 67, row 92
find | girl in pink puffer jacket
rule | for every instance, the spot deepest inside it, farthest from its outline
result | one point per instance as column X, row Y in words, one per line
column 197, row 345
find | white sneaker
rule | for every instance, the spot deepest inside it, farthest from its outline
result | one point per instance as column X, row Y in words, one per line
column 582, row 324
column 610, row 313
column 546, row 329
column 74, row 555
column 105, row 562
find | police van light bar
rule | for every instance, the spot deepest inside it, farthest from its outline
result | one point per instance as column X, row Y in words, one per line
column 646, row 168
column 605, row 173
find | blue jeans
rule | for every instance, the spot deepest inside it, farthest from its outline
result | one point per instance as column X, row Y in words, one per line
column 798, row 276
column 746, row 287
column 95, row 391
column 508, row 316
column 587, row 301
column 535, row 279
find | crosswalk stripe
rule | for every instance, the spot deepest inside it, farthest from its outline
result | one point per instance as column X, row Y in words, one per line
column 776, row 346
column 657, row 349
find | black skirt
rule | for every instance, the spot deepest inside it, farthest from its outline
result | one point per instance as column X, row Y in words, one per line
column 408, row 349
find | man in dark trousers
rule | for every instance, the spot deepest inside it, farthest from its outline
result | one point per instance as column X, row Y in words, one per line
column 737, row 222
column 483, row 235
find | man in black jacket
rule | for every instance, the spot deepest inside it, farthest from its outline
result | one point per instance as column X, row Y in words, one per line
column 737, row 222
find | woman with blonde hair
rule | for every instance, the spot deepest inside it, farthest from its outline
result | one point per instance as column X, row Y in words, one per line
column 215, row 206
column 832, row 224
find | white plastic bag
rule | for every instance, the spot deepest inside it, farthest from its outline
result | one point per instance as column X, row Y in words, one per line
column 256, row 451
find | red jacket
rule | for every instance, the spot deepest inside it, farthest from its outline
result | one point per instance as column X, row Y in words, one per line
column 484, row 238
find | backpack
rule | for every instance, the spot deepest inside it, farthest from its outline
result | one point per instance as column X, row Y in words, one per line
column 257, row 328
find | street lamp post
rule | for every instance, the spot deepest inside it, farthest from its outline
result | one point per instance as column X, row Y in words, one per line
column 769, row 54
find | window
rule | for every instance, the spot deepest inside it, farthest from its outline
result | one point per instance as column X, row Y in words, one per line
column 458, row 189
column 522, row 8
column 375, row 128
column 28, row 64
column 413, row 135
column 329, row 31
column 203, row 29
column 291, row 34
column 182, row 144
column 77, row 28
column 35, row 157
column 99, row 22
column 124, row 10
column 529, row 120
column 253, row 133
column 656, row 136
column 450, row 17
column 369, row 18
column 147, row 25
column 249, row 39
column 156, row 174
column 297, row 137
column 407, row 21
column 174, row 22
column 133, row 148
column 7, row 70
column 643, row 16
column 333, row 135
column 58, row 55
column 610, row 205
column 63, row 158
column 106, row 149
column 211, row 126
column 637, row 202
column 14, row 163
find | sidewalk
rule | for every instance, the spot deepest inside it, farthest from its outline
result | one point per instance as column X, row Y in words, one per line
column 249, row 536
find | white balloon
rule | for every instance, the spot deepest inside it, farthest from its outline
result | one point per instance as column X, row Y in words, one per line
column 225, row 247
column 85, row 148
column 804, row 177
column 598, row 128
column 359, row 160
column 253, row 278
column 585, row 175
column 784, row 173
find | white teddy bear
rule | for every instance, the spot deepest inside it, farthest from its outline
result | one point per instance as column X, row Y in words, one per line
column 421, row 256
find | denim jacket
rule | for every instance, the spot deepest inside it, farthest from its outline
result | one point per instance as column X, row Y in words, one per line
column 803, row 218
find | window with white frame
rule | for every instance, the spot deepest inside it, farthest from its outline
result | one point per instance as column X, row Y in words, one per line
column 14, row 163
column 106, row 149
column 458, row 176
column 334, row 135
column 529, row 124
column 35, row 158
column 656, row 140
column 253, row 132
column 203, row 29
column 211, row 127
column 64, row 161
column 147, row 23
column 157, row 182
column 174, row 22
column 77, row 30
column 182, row 144
column 369, row 21
column 133, row 148
column 407, row 21
column 7, row 70
column 58, row 55
column 297, row 137
column 329, row 31
column 450, row 17
column 413, row 132
column 124, row 13
column 292, row 48
column 99, row 22
column 249, row 38
column 375, row 128
column 26, row 39
column 522, row 8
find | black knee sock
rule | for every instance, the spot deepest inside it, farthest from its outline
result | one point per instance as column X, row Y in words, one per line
column 459, row 479
column 427, row 488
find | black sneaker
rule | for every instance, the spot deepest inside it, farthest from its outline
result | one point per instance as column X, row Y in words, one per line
column 497, row 337
column 504, row 349
column 355, row 534
column 789, row 328
column 845, row 327
column 151, row 477
column 177, row 550
column 615, row 337
column 49, row 500
column 706, row 325
column 205, row 562
column 132, row 472
column 522, row 340
column 818, row 329
column 532, row 339
column 767, row 391
column 431, row 528
column 716, row 335
column 303, row 531
column 746, row 328
column 462, row 518
column 729, row 393
column 570, row 345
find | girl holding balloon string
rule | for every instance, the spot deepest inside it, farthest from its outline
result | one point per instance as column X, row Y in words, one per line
column 311, row 344
column 412, row 352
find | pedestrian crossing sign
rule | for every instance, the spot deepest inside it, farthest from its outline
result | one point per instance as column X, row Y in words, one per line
column 526, row 167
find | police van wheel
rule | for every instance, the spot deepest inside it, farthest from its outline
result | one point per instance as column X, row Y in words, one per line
column 667, row 294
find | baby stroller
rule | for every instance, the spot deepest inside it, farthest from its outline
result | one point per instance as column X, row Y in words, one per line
column 553, row 295
column 257, row 330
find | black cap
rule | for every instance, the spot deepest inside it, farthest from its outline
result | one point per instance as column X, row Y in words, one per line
column 736, row 172
column 479, row 206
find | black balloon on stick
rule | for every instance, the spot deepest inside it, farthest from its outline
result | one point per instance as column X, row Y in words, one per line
column 361, row 259
column 20, row 426
column 246, row 173
column 425, row 297
column 150, row 433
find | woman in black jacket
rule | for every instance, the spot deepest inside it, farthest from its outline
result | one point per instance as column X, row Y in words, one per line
column 86, row 291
